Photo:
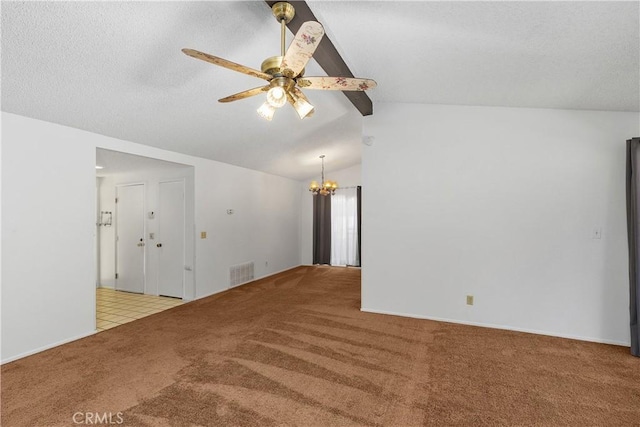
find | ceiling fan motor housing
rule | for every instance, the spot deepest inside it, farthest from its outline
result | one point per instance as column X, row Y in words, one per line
column 272, row 65
column 284, row 82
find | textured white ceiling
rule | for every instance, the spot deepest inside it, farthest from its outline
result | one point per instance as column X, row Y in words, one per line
column 116, row 68
column 573, row 55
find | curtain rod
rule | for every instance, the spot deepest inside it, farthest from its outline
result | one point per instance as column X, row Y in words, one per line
column 346, row 188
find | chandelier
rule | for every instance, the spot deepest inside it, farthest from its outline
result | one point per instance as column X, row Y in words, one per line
column 326, row 187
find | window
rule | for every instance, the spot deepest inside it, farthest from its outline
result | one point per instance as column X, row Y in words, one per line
column 344, row 227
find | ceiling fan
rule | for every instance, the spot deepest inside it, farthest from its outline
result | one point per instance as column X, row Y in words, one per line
column 285, row 73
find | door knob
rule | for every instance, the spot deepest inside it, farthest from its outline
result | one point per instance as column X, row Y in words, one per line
column 159, row 245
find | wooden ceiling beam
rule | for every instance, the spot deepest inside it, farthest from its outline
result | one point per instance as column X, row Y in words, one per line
column 327, row 56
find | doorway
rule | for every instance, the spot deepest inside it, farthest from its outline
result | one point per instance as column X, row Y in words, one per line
column 145, row 238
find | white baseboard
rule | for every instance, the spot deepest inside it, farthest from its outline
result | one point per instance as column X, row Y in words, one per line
column 210, row 294
column 280, row 271
column 264, row 277
column 247, row 283
column 503, row 327
column 46, row 347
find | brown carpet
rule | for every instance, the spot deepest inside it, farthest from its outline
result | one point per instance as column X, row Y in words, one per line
column 294, row 349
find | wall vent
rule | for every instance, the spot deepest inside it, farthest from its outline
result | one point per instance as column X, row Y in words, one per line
column 240, row 273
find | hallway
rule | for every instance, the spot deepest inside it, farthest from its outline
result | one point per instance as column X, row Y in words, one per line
column 114, row 308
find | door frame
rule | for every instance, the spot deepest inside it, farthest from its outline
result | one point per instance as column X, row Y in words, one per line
column 184, row 232
column 144, row 233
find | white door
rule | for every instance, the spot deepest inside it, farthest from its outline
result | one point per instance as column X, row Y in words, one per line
column 130, row 249
column 170, row 243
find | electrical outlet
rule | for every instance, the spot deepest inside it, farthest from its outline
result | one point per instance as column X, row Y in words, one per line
column 597, row 233
column 469, row 299
column 266, row 263
column 203, row 234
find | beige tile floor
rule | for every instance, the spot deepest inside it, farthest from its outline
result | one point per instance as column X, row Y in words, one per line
column 113, row 308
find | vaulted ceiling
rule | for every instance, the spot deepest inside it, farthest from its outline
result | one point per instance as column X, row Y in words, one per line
column 116, row 68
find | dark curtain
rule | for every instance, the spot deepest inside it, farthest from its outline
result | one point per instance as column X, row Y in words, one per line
column 321, row 229
column 359, row 226
column 633, row 228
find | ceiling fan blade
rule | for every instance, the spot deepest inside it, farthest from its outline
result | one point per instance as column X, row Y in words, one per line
column 336, row 83
column 227, row 64
column 245, row 94
column 302, row 47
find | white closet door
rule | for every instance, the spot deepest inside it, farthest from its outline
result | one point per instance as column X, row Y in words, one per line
column 170, row 243
column 130, row 242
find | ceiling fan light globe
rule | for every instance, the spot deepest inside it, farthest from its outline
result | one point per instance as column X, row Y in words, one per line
column 276, row 97
column 266, row 111
column 303, row 108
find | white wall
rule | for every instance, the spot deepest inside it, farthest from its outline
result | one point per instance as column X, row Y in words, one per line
column 499, row 203
column 48, row 207
column 151, row 180
column 48, row 229
column 348, row 177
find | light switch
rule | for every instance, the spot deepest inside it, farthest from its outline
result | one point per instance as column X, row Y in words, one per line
column 203, row 234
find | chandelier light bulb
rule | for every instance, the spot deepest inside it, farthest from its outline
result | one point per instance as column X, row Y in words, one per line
column 276, row 97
